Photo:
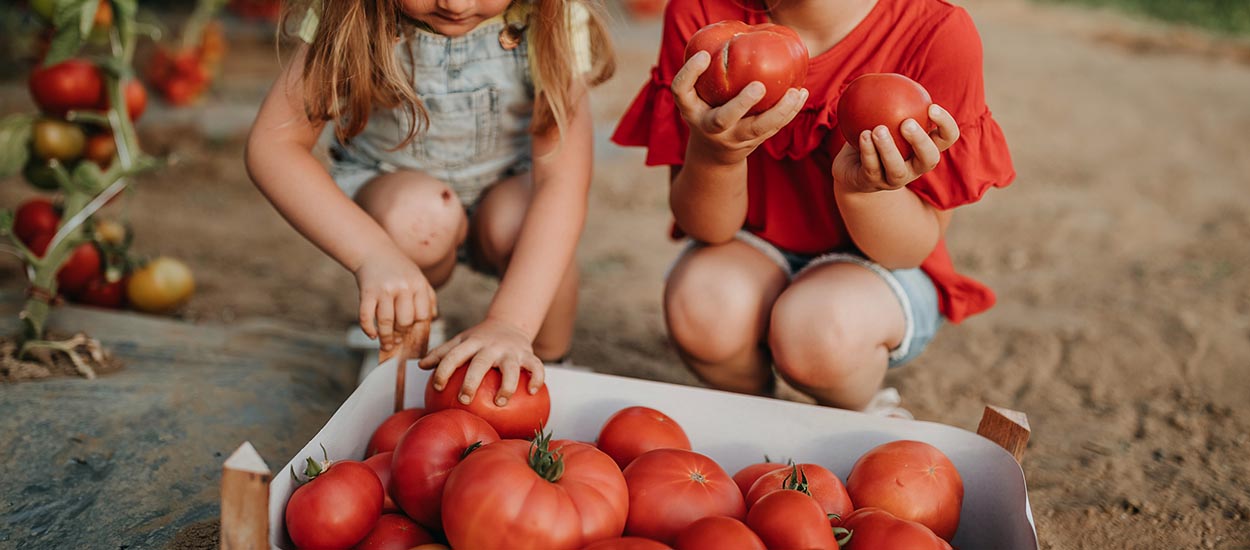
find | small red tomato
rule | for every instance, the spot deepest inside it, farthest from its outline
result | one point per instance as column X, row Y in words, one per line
column 381, row 464
column 883, row 99
column 874, row 529
column 100, row 292
column 790, row 519
column 337, row 508
column 101, row 149
column 813, row 479
column 718, row 533
column 390, row 430
column 70, row 85
column 771, row 54
column 671, row 488
column 136, row 99
column 82, row 265
column 747, row 476
column 394, row 532
column 35, row 217
column 911, row 480
column 633, row 431
column 521, row 418
column 426, row 455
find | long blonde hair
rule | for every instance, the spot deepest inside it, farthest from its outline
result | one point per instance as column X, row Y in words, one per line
column 351, row 69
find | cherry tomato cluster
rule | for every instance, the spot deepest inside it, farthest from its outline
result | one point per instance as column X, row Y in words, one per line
column 468, row 476
column 182, row 75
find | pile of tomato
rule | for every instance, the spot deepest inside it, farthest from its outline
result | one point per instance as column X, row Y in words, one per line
column 452, row 475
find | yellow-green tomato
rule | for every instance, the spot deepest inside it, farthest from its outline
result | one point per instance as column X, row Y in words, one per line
column 160, row 286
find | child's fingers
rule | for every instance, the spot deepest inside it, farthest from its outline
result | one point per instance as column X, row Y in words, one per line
column 869, row 161
column 538, row 374
column 433, row 358
column 477, row 369
column 896, row 170
column 947, row 132
column 510, row 368
column 779, row 115
column 405, row 310
column 386, row 321
column 726, row 116
column 922, row 145
column 688, row 101
column 454, row 358
column 368, row 305
column 423, row 304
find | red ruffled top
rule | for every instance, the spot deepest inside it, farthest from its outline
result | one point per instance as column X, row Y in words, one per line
column 790, row 181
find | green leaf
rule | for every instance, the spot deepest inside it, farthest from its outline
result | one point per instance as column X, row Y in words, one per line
column 15, row 131
column 72, row 17
column 87, row 16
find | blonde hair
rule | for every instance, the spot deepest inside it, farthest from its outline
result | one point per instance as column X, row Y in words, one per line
column 351, row 69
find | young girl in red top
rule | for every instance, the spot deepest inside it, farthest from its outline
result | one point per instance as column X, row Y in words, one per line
column 463, row 132
column 808, row 255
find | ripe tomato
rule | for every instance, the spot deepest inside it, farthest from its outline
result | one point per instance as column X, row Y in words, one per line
column 741, row 54
column 71, row 85
column 160, row 286
column 636, row 430
column 426, row 453
column 82, row 266
column 103, row 16
column 101, row 149
column 337, row 508
column 540, row 495
column 521, row 418
column 747, row 476
column 820, row 483
column 883, row 99
column 718, row 533
column 671, row 488
column 136, row 99
column 911, row 480
column 394, row 532
column 390, row 430
column 792, row 520
column 35, row 217
column 57, row 139
column 381, row 464
column 874, row 528
column 100, row 292
column 628, row 543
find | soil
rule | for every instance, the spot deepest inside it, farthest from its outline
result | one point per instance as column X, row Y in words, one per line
column 1119, row 257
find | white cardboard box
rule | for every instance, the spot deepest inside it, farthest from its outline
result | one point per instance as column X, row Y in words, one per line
column 735, row 430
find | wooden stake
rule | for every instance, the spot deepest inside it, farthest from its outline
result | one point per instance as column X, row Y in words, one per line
column 416, row 343
column 245, row 500
column 1008, row 428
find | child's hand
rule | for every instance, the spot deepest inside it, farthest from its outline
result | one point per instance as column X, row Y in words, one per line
column 489, row 344
column 878, row 165
column 394, row 294
column 722, row 132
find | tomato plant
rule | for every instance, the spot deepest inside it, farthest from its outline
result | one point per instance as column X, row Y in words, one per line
column 521, row 418
column 394, row 532
column 160, row 286
column 771, row 54
column 35, row 217
column 874, row 528
column 426, row 454
column 381, row 464
column 337, row 508
column 911, row 480
column 883, row 99
column 790, row 519
column 636, row 430
column 718, row 533
column 813, row 479
column 628, row 543
column 83, row 265
column 387, row 435
column 54, row 139
column 540, row 495
column 671, row 488
column 747, row 476
column 71, row 85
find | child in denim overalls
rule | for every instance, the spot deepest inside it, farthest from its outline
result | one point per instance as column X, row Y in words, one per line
column 463, row 132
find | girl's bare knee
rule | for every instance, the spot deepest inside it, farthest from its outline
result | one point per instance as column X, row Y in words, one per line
column 812, row 345
column 710, row 320
column 421, row 214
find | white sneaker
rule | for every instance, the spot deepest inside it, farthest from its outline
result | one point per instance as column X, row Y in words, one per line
column 887, row 403
column 567, row 364
column 357, row 339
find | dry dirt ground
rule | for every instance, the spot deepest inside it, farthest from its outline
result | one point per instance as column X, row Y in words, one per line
column 1119, row 257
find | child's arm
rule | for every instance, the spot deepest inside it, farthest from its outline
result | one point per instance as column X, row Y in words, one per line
column 393, row 291
column 708, row 194
column 888, row 223
column 549, row 234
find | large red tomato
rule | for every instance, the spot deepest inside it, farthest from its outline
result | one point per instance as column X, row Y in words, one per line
column 794, row 521
column 394, row 532
column 381, row 464
column 425, row 456
column 718, row 533
column 33, row 218
column 337, row 508
column 883, row 99
column 71, row 85
column 82, row 266
column 390, row 430
column 521, row 418
column 813, row 479
column 747, row 476
column 540, row 495
column 671, row 488
column 911, row 480
column 741, row 54
column 875, row 529
column 628, row 543
column 636, row 430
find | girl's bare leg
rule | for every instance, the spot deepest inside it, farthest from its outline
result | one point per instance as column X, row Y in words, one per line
column 422, row 215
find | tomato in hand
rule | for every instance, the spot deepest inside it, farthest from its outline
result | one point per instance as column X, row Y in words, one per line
column 718, row 533
column 33, row 218
column 883, row 99
column 53, row 139
column 426, row 454
column 874, row 529
column 911, row 480
column 386, row 437
column 747, row 476
column 671, row 488
column 628, row 543
column 539, row 495
column 523, row 416
column 160, row 286
column 633, row 431
column 790, row 519
column 71, row 85
column 337, row 508
column 813, row 479
column 394, row 532
column 741, row 54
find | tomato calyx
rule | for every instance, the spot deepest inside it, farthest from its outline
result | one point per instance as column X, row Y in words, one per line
column 797, row 480
column 842, row 535
column 314, row 468
column 475, row 446
column 548, row 464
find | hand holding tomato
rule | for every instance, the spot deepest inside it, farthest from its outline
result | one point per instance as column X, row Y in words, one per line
column 770, row 54
column 875, row 163
column 725, row 133
column 492, row 343
column 519, row 418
